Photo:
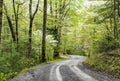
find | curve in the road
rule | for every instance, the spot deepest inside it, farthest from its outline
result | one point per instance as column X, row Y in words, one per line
column 55, row 74
column 67, row 70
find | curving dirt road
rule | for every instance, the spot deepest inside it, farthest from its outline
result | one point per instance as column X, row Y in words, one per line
column 68, row 70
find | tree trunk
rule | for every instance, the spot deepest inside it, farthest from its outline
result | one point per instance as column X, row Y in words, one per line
column 10, row 24
column 16, row 21
column 44, row 32
column 32, row 16
column 115, row 22
column 58, row 33
column 11, row 29
column 56, row 53
column 118, row 8
column 62, row 12
column 30, row 38
column 1, row 8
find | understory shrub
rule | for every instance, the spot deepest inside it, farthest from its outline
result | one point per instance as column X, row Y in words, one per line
column 110, row 64
column 106, row 43
column 12, row 64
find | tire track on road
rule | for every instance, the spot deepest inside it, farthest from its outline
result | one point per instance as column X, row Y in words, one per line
column 82, row 76
column 67, row 74
column 55, row 73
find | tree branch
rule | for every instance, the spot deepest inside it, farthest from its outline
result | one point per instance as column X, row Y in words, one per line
column 37, row 6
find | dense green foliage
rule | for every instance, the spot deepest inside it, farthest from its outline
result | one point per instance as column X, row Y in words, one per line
column 15, row 35
column 81, row 27
column 105, row 40
column 105, row 62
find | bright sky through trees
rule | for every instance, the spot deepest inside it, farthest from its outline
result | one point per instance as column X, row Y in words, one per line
column 93, row 2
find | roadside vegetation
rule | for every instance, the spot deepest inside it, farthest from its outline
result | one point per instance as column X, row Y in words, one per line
column 33, row 32
column 105, row 50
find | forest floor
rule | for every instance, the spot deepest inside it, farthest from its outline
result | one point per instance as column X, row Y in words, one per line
column 72, row 69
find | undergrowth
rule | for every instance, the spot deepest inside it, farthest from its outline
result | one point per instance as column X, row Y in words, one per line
column 105, row 62
column 12, row 65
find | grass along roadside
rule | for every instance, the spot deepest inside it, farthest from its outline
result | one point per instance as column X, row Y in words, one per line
column 9, row 69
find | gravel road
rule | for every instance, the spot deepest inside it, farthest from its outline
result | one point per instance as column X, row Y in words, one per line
column 68, row 70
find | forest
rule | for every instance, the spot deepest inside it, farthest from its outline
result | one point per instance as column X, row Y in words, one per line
column 33, row 32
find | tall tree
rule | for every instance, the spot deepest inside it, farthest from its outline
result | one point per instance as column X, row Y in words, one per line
column 31, row 16
column 1, row 8
column 16, row 16
column 63, row 8
column 10, row 24
column 115, row 19
column 44, row 32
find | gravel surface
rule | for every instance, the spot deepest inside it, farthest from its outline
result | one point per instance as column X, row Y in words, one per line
column 39, row 74
column 71, row 69
column 65, row 71
column 100, row 75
